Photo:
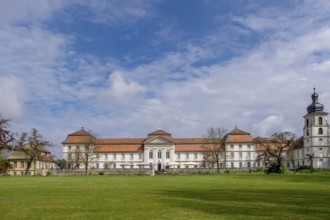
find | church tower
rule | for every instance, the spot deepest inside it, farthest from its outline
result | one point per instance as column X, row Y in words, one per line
column 316, row 135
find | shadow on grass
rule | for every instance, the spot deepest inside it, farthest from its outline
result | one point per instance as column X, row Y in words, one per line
column 252, row 204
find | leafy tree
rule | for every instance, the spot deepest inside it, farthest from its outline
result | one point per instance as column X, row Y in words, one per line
column 33, row 145
column 274, row 149
column 214, row 147
column 61, row 163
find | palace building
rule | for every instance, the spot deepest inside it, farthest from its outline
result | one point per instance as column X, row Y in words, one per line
column 160, row 150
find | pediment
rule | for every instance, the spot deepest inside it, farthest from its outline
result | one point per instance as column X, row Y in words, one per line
column 158, row 140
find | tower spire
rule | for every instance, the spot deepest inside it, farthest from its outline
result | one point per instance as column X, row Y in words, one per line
column 315, row 106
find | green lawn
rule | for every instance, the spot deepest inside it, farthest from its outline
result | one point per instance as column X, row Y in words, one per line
column 226, row 196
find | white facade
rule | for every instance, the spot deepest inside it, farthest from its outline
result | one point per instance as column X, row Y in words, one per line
column 159, row 150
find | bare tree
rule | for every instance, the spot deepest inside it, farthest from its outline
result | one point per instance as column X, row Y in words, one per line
column 6, row 137
column 33, row 145
column 85, row 155
column 6, row 140
column 214, row 147
column 274, row 148
column 291, row 156
column 311, row 157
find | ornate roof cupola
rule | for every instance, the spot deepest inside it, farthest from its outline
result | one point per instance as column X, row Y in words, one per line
column 315, row 106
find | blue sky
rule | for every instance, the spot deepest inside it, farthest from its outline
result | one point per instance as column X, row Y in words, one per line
column 126, row 68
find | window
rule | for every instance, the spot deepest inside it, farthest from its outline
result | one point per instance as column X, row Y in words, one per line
column 114, row 156
column 249, row 164
column 321, row 160
column 22, row 165
column 232, row 154
column 232, row 146
column 307, row 132
column 167, row 154
column 97, row 166
column 179, row 156
column 78, row 147
column 97, row 156
column 131, row 156
column 320, row 121
column 15, row 164
column 320, row 149
column 249, row 146
column 249, row 155
column 307, row 122
column 240, row 146
column 69, row 147
column 195, row 156
column 320, row 131
column 232, row 165
column 69, row 156
column 106, row 156
column 140, row 156
column 240, row 164
column 240, row 155
column 150, row 154
column 187, row 156
column 320, row 139
column 122, row 156
column 159, row 154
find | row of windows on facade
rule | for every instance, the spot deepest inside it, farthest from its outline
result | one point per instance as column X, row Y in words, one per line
column 232, row 165
column 320, row 121
column 231, row 146
column 302, row 152
column 78, row 147
column 240, row 146
column 22, row 164
column 320, row 131
column 297, row 163
column 159, row 155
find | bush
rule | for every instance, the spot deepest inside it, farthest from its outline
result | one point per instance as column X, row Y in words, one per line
column 101, row 173
column 227, row 171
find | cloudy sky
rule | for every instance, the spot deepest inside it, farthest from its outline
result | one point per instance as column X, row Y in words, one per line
column 125, row 68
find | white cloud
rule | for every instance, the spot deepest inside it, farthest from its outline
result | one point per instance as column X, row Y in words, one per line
column 13, row 97
column 16, row 11
column 124, row 12
column 121, row 90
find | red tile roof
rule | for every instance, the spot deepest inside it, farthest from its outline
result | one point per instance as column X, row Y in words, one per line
column 238, row 135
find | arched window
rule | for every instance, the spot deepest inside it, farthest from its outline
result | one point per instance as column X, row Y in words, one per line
column 307, row 132
column 307, row 122
column 320, row 121
column 320, row 131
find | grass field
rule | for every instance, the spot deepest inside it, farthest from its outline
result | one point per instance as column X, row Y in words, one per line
column 226, row 196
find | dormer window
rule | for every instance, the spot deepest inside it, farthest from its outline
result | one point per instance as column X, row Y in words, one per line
column 320, row 121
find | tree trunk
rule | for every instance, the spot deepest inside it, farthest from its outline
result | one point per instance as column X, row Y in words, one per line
column 28, row 166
